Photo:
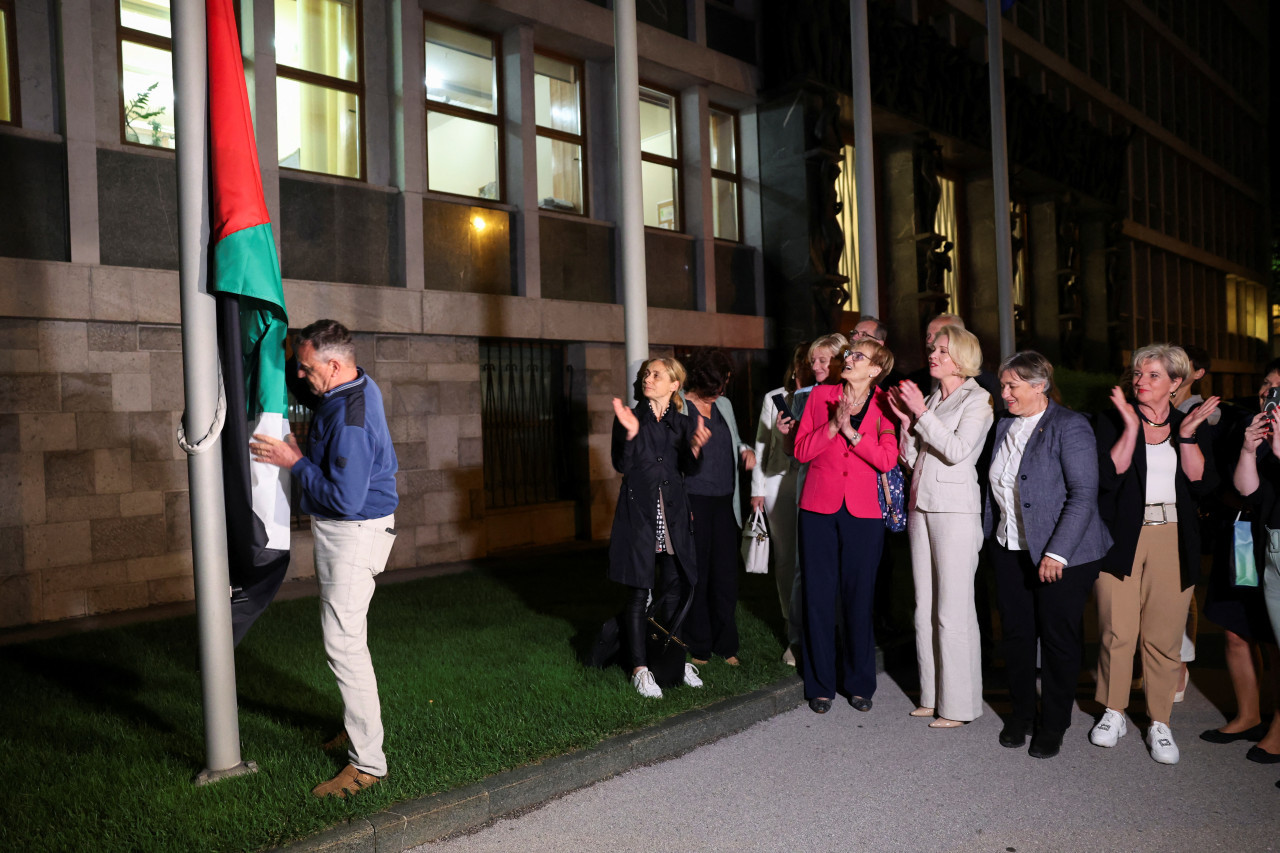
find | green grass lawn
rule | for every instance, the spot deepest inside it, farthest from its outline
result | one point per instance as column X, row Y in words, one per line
column 478, row 672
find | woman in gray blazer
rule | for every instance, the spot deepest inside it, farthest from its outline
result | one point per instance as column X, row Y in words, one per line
column 1047, row 542
column 941, row 440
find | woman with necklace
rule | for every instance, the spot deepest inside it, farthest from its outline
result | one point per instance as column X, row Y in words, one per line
column 943, row 436
column 712, row 486
column 651, row 546
column 847, row 441
column 1154, row 467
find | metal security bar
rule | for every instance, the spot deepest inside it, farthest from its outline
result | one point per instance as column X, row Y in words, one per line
column 524, row 407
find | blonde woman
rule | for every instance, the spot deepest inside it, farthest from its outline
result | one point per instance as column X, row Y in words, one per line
column 1153, row 469
column 651, row 546
column 943, row 436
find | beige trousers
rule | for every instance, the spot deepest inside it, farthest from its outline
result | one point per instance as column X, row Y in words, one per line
column 1149, row 606
column 944, row 561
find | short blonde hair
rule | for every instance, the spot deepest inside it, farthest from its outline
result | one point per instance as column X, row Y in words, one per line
column 674, row 369
column 1173, row 359
column 877, row 353
column 835, row 343
column 965, row 350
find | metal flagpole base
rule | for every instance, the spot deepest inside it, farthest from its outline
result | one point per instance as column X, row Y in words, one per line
column 244, row 768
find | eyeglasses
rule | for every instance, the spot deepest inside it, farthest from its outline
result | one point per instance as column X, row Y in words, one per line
column 850, row 353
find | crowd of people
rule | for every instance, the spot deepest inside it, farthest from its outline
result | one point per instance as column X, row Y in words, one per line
column 1117, row 505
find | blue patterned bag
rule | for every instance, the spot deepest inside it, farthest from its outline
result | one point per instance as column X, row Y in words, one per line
column 892, row 492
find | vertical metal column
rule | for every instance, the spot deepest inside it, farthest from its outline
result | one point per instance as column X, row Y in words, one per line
column 200, row 376
column 864, row 164
column 635, row 289
column 1000, row 178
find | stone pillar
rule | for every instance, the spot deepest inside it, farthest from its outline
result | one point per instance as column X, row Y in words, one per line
column 751, row 227
column 377, row 104
column 257, row 46
column 1094, row 250
column 1042, row 227
column 699, row 220
column 37, row 79
column 79, row 124
column 521, row 176
column 408, row 134
column 979, row 296
column 901, row 310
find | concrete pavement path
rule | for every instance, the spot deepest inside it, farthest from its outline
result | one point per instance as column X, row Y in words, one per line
column 884, row 781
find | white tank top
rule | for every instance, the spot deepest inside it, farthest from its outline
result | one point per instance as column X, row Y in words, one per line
column 1162, row 464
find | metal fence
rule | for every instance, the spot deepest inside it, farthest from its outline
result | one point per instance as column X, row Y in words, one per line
column 524, row 416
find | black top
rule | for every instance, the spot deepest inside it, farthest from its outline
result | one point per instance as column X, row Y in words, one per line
column 654, row 461
column 1122, row 497
column 712, row 474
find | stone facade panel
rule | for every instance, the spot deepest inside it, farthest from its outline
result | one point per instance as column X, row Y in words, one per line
column 168, row 389
column 19, row 334
column 86, row 392
column 64, row 347
column 86, row 507
column 10, row 489
column 112, row 337
column 131, row 392
column 126, row 596
column 177, row 521
column 112, row 471
column 164, row 476
column 28, row 394
column 47, row 431
column 86, row 577
column 101, row 430
column 69, row 473
column 47, row 546
column 19, row 361
column 459, row 398
column 125, row 538
column 141, row 503
column 71, row 604
column 467, row 372
column 170, row 590
column 391, row 348
column 174, row 565
column 20, row 601
column 152, row 436
column 442, row 442
column 11, row 562
column 160, row 338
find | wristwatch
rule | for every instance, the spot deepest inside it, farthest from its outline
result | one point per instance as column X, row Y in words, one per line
column 1187, row 439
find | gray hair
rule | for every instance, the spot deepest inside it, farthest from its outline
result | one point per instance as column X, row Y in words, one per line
column 949, row 320
column 1172, row 358
column 330, row 339
column 880, row 331
column 1031, row 367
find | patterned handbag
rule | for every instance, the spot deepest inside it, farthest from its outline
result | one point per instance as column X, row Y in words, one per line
column 891, row 490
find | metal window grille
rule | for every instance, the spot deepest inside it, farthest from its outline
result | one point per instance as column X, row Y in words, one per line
column 524, row 422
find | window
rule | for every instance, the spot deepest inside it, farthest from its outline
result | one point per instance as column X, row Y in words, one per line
column 464, row 112
column 847, row 194
column 146, row 73
column 9, row 112
column 1247, row 308
column 524, row 422
column 557, row 96
column 319, row 88
column 946, row 223
column 660, row 159
column 724, row 174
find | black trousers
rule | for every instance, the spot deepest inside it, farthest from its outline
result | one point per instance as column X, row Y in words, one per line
column 668, row 589
column 839, row 554
column 712, row 627
column 1052, row 611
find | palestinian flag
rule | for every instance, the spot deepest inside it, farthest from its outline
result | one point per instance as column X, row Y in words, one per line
column 252, row 326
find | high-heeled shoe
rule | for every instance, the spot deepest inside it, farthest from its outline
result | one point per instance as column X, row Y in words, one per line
column 944, row 723
column 922, row 712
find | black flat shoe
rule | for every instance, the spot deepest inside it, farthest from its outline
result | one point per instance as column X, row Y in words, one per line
column 1013, row 736
column 1045, row 745
column 1261, row 756
column 819, row 706
column 860, row 704
column 1254, row 734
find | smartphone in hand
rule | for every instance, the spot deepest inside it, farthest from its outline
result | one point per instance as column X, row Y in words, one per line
column 780, row 403
column 1269, row 404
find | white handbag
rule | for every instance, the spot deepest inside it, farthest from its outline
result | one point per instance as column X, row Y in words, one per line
column 755, row 544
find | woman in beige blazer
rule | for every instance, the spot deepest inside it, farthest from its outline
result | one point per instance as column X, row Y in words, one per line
column 943, row 438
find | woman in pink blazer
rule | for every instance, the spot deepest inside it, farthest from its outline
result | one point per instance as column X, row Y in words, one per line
column 846, row 435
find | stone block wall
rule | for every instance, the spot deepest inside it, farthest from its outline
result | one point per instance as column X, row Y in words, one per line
column 93, row 502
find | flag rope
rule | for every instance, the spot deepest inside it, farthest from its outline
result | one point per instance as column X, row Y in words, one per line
column 215, row 429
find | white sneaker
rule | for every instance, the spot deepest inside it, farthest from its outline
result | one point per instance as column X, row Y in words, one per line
column 1160, row 739
column 643, row 682
column 691, row 678
column 789, row 657
column 1109, row 729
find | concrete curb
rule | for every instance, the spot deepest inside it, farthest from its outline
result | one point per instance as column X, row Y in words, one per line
column 432, row 818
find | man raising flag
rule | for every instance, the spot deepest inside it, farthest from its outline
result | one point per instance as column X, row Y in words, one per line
column 252, row 327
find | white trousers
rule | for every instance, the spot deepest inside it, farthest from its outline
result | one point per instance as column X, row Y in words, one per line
column 349, row 554
column 944, row 563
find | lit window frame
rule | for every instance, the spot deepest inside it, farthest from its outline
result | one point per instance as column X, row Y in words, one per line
column 497, row 118
column 579, row 139
column 351, row 87
column 8, row 8
column 734, row 177
column 670, row 162
column 158, row 42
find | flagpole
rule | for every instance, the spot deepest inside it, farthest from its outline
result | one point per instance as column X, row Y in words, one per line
column 202, row 385
column 1000, row 178
column 631, row 262
column 864, row 163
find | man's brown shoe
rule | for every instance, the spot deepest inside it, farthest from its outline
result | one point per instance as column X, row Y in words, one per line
column 339, row 741
column 349, row 781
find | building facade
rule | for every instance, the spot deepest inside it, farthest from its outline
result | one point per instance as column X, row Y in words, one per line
column 442, row 177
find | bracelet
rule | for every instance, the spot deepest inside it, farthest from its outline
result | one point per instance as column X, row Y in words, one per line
column 1187, row 439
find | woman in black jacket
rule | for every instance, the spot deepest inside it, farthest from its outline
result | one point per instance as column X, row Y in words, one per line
column 651, row 546
column 1154, row 467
